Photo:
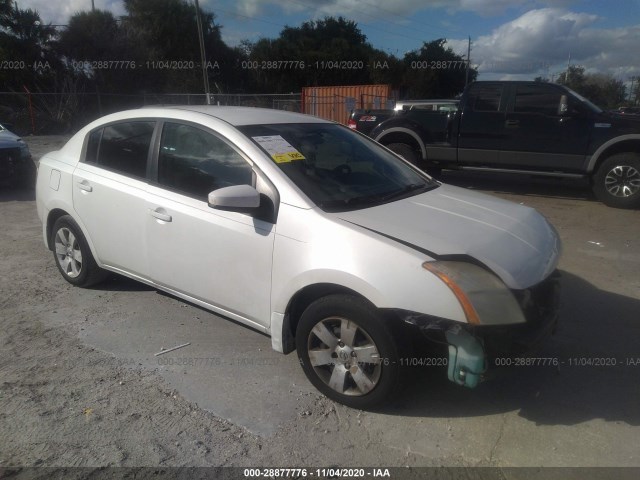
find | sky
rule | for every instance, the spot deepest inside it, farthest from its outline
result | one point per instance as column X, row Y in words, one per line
column 510, row 39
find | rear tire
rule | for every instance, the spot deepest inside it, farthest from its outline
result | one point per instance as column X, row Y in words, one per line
column 617, row 181
column 72, row 254
column 406, row 152
column 347, row 352
column 411, row 156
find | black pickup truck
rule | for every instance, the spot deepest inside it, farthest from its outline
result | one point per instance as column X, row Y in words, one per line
column 519, row 127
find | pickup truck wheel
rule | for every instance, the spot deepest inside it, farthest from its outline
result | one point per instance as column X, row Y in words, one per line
column 411, row 156
column 617, row 181
column 347, row 352
column 72, row 254
column 405, row 151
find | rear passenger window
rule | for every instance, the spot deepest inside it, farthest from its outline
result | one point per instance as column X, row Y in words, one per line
column 122, row 147
column 195, row 162
column 485, row 98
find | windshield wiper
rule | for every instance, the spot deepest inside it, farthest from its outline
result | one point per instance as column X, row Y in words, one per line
column 405, row 190
column 377, row 198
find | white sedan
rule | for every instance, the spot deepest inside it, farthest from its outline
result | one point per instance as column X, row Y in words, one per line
column 306, row 231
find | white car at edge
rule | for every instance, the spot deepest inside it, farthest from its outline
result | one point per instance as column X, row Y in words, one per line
column 306, row 231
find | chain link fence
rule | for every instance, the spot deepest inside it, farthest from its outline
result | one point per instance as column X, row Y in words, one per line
column 52, row 113
column 57, row 113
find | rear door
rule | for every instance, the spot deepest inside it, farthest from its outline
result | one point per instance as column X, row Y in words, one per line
column 481, row 126
column 537, row 135
column 109, row 193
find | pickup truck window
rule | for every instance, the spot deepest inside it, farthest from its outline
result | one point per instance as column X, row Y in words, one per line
column 537, row 99
column 485, row 98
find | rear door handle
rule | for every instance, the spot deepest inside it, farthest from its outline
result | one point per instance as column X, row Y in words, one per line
column 512, row 123
column 84, row 186
column 160, row 214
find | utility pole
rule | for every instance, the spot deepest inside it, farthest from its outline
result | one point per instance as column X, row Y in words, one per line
column 203, row 57
column 466, row 75
column 93, row 5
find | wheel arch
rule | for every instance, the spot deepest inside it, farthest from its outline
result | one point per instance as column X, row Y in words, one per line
column 57, row 212
column 307, row 295
column 52, row 217
column 622, row 144
column 298, row 303
column 403, row 135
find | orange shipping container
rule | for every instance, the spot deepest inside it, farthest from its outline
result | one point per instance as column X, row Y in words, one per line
column 336, row 102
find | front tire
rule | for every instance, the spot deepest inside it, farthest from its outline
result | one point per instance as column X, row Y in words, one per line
column 72, row 254
column 617, row 181
column 347, row 352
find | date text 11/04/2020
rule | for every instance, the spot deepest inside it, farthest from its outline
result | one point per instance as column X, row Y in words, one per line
column 316, row 472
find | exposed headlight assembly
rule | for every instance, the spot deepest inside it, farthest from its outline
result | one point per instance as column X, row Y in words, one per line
column 484, row 298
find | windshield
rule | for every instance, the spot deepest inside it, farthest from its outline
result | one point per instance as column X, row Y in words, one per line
column 592, row 106
column 337, row 169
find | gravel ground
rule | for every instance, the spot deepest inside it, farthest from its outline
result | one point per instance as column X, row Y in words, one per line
column 64, row 403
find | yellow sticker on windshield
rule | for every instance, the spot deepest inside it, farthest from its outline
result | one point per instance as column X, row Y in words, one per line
column 280, row 150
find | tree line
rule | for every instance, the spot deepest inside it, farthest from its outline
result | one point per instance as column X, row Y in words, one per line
column 601, row 89
column 154, row 48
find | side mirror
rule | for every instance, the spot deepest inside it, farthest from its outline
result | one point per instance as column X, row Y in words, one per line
column 235, row 197
column 563, row 108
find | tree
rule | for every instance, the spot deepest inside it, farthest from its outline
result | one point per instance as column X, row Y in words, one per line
column 98, row 49
column 573, row 78
column 602, row 89
column 26, row 43
column 166, row 31
column 435, row 71
column 331, row 51
column 635, row 94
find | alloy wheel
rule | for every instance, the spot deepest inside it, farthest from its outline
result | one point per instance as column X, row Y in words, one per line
column 344, row 356
column 68, row 252
column 622, row 181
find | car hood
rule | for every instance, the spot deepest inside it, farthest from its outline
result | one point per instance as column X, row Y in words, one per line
column 515, row 242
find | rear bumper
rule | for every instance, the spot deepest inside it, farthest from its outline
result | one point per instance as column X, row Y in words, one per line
column 14, row 165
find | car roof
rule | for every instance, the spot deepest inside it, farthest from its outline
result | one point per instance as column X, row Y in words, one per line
column 239, row 116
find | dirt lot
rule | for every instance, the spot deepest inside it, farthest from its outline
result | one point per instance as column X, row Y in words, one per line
column 79, row 385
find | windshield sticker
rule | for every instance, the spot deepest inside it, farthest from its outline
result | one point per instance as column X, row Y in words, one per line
column 279, row 149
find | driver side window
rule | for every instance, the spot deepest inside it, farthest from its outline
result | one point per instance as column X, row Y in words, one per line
column 194, row 162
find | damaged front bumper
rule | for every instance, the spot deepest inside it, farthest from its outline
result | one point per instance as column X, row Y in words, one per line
column 471, row 348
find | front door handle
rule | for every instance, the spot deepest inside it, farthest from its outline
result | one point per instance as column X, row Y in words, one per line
column 160, row 214
column 84, row 186
column 512, row 123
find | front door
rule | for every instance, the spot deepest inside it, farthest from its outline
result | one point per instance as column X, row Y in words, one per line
column 223, row 258
column 537, row 135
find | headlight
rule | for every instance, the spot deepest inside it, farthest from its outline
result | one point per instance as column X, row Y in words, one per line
column 484, row 298
column 24, row 151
